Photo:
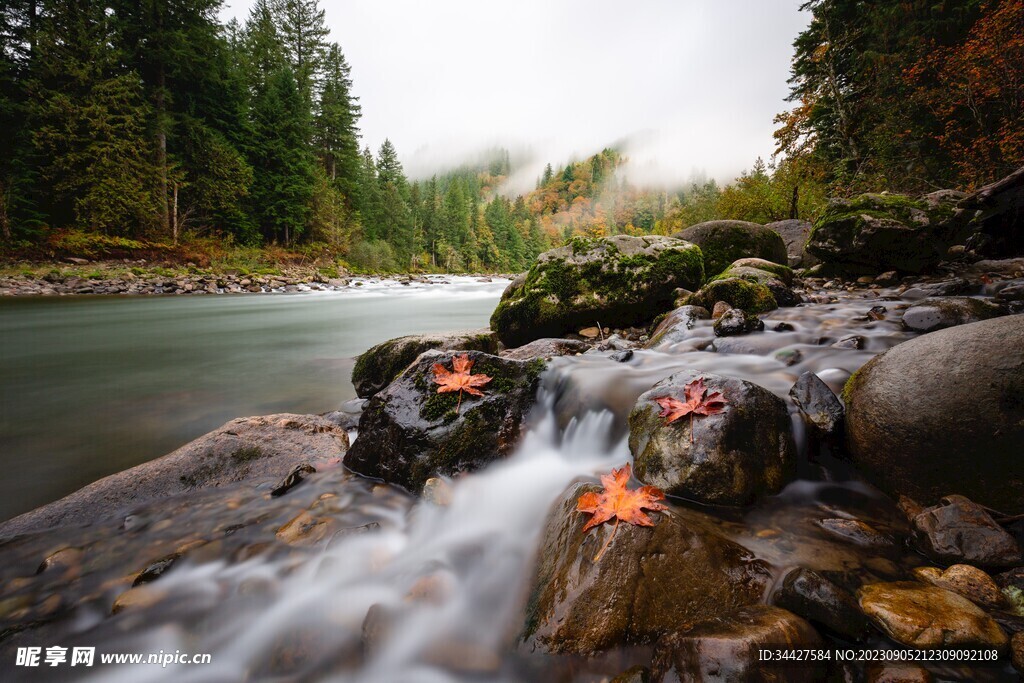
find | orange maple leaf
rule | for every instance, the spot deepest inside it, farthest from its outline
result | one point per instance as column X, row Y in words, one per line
column 619, row 502
column 460, row 380
column 696, row 404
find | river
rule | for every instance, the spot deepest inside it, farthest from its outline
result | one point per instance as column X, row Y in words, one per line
column 94, row 385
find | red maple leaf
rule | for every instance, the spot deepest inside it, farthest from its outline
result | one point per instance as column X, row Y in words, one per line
column 696, row 404
column 460, row 380
column 619, row 502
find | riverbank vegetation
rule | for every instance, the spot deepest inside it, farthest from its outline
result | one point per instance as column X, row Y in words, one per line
column 150, row 130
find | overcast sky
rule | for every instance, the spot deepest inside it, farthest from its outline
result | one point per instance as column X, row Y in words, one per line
column 692, row 85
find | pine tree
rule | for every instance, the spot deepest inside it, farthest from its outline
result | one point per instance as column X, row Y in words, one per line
column 304, row 32
column 337, row 132
column 89, row 122
column 283, row 163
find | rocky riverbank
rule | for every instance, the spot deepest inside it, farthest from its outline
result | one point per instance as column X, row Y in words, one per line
column 843, row 469
column 141, row 278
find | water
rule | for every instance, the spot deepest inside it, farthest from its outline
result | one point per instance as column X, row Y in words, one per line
column 91, row 386
column 394, row 589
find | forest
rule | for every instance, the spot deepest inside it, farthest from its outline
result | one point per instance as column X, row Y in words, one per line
column 134, row 123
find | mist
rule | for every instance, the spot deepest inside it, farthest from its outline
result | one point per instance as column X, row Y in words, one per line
column 682, row 87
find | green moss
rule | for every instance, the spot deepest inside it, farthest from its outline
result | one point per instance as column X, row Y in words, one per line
column 752, row 297
column 247, row 454
column 850, row 385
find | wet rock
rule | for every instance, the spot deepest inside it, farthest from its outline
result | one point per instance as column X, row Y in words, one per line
column 721, row 308
column 649, row 581
column 889, row 277
column 850, row 341
column 910, row 401
column 923, row 616
column 1017, row 650
column 929, row 315
column 965, row 580
column 877, row 313
column 736, row 321
column 622, row 356
column 409, row 432
column 676, row 326
column 348, row 414
column 437, row 491
column 856, row 532
column 957, row 530
column 723, row 242
column 898, row 672
column 729, row 458
column 773, row 276
column 376, row 368
column 156, row 569
column 292, row 479
column 138, row 598
column 264, row 448
column 876, row 232
column 617, row 281
column 821, row 410
column 635, row 674
column 936, row 289
column 727, row 648
column 591, row 332
column 752, row 297
column 546, row 348
column 66, row 561
column 794, row 233
column 1011, row 583
column 812, row 596
column 779, row 271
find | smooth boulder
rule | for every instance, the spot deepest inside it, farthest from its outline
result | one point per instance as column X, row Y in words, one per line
column 676, row 326
column 928, row 315
column 794, row 232
column 546, row 348
column 873, row 233
column 918, row 615
column 382, row 363
column 944, row 413
column 409, row 432
column 614, row 281
column 730, row 458
column 649, row 581
column 728, row 648
column 722, row 242
column 264, row 448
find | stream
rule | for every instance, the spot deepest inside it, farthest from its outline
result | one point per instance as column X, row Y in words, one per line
column 388, row 588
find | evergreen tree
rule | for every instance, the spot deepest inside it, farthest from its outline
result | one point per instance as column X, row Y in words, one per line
column 337, row 131
column 283, row 163
column 89, row 121
column 304, row 32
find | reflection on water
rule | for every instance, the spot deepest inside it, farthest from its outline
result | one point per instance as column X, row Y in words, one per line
column 91, row 386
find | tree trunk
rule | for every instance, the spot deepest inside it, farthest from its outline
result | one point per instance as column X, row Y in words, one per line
column 174, row 216
column 794, row 203
column 5, row 223
column 161, row 150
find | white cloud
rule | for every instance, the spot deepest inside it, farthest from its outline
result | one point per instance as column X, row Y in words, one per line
column 693, row 84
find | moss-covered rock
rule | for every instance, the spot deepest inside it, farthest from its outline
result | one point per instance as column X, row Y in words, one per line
column 751, row 296
column 881, row 232
column 730, row 458
column 618, row 281
column 775, row 277
column 779, row 271
column 409, row 432
column 375, row 369
column 722, row 242
column 650, row 580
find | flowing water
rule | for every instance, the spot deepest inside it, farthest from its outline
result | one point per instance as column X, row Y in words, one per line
column 94, row 385
column 373, row 586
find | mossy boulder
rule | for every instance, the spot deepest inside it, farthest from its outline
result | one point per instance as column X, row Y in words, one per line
column 730, row 458
column 944, row 413
column 722, row 242
column 408, row 432
column 748, row 295
column 618, row 281
column 375, row 369
column 650, row 580
column 873, row 233
column 775, row 277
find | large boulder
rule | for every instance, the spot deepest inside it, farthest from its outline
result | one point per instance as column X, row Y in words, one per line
column 944, row 413
column 728, row 648
column 773, row 276
column 375, row 369
column 794, row 233
column 649, row 581
column 676, row 326
column 409, row 432
column 722, row 242
column 265, row 448
column 928, row 315
column 918, row 615
column 615, row 281
column 729, row 458
column 881, row 232
column 748, row 295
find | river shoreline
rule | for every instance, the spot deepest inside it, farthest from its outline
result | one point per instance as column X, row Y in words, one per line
column 128, row 277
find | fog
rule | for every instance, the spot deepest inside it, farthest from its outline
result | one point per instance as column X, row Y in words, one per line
column 683, row 87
